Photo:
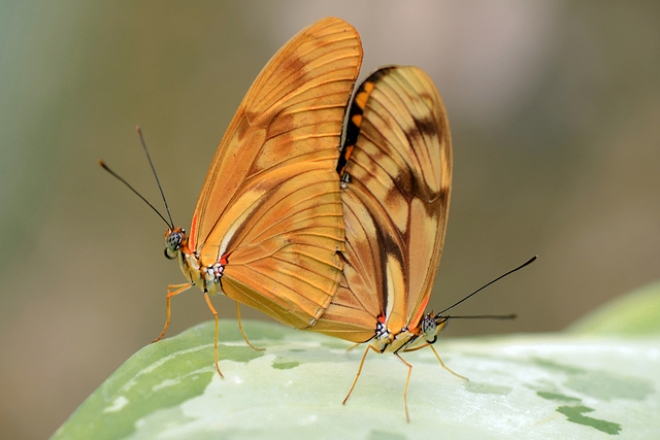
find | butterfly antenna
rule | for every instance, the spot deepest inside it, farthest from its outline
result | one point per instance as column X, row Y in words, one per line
column 121, row 179
column 502, row 317
column 531, row 260
column 153, row 169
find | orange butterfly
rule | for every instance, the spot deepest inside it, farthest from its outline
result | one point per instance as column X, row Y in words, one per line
column 396, row 169
column 268, row 223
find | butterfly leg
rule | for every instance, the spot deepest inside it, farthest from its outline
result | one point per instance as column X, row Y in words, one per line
column 364, row 356
column 215, row 340
column 405, row 389
column 240, row 327
column 172, row 290
column 446, row 367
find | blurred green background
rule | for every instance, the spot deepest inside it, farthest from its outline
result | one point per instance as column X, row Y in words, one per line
column 554, row 109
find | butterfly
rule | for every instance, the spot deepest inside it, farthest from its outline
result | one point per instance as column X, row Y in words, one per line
column 396, row 170
column 268, row 225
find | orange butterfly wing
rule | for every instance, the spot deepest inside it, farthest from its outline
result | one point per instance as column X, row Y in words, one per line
column 270, row 204
column 395, row 205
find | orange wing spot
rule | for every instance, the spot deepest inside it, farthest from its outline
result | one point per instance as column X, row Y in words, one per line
column 223, row 259
column 382, row 319
column 357, row 120
column 348, row 152
column 420, row 312
column 343, row 161
column 361, row 98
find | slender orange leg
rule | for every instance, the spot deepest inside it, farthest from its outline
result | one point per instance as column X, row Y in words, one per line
column 364, row 356
column 407, row 350
column 172, row 290
column 240, row 327
column 446, row 367
column 405, row 390
column 215, row 340
column 353, row 346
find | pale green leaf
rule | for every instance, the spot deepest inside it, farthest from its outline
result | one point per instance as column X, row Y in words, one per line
column 585, row 385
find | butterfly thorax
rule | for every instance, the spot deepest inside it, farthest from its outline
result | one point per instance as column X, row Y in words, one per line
column 391, row 339
column 177, row 248
column 408, row 338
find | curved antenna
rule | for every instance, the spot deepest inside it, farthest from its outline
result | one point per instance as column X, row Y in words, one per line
column 121, row 179
column 153, row 169
column 502, row 317
column 530, row 261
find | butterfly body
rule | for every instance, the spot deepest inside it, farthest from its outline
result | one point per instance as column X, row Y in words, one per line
column 206, row 277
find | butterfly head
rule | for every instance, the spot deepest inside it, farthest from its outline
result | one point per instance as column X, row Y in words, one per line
column 432, row 325
column 174, row 239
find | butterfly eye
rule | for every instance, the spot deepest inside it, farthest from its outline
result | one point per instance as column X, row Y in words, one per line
column 429, row 328
column 173, row 243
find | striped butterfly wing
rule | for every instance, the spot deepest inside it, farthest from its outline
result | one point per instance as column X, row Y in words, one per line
column 270, row 208
column 395, row 201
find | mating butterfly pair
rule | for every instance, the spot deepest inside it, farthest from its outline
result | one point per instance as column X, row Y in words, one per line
column 342, row 241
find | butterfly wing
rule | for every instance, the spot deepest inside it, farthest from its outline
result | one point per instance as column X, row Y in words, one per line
column 270, row 204
column 395, row 205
